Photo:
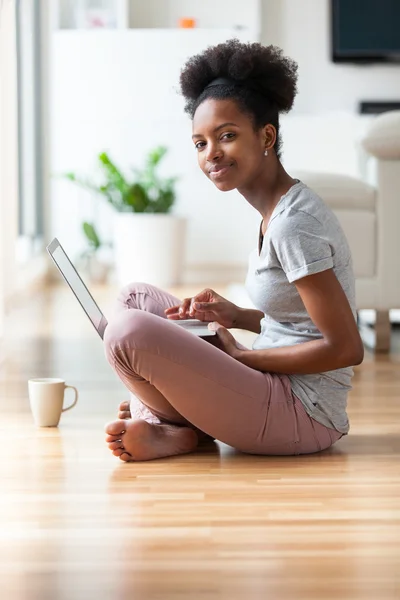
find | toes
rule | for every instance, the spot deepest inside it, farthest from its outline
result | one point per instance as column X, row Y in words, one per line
column 124, row 406
column 115, row 427
column 125, row 414
column 116, row 445
column 126, row 457
column 119, row 451
column 113, row 438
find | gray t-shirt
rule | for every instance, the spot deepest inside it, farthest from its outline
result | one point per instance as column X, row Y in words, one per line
column 303, row 237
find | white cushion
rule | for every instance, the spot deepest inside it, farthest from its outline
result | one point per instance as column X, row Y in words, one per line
column 383, row 137
column 360, row 231
column 340, row 191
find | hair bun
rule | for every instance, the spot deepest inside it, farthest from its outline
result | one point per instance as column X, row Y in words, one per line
column 263, row 69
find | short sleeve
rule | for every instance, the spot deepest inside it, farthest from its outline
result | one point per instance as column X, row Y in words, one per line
column 300, row 244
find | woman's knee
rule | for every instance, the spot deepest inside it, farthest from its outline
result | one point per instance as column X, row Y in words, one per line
column 127, row 330
column 127, row 297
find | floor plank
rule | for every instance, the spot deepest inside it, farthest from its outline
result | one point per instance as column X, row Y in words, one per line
column 75, row 522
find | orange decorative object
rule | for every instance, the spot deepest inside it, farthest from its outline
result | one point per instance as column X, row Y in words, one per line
column 187, row 23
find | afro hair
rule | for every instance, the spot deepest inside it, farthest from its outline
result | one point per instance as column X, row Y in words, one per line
column 263, row 81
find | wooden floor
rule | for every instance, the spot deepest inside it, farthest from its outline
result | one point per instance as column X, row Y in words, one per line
column 77, row 523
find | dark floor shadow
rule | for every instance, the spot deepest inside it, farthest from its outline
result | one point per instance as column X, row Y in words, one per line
column 215, row 457
column 369, row 444
column 348, row 446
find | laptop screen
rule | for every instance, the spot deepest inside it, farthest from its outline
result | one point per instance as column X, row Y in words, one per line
column 76, row 284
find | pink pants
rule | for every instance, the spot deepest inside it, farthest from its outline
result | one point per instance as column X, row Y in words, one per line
column 180, row 378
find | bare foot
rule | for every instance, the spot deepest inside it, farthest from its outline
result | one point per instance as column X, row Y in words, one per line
column 138, row 440
column 125, row 413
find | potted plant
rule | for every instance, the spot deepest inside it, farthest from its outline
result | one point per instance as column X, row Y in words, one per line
column 94, row 266
column 148, row 240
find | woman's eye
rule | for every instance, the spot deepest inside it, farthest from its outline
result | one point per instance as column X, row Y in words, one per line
column 200, row 145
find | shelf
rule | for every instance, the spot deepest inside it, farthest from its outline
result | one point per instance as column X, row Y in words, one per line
column 155, row 14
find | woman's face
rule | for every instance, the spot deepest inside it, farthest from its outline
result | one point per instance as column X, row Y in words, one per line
column 230, row 152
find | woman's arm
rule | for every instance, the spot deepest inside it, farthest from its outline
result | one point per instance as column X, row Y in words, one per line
column 249, row 319
column 329, row 309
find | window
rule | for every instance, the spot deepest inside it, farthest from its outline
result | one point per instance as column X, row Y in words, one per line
column 30, row 138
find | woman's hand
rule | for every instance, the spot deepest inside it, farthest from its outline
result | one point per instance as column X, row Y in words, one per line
column 206, row 306
column 227, row 342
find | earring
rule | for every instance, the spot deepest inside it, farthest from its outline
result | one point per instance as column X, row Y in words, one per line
column 266, row 153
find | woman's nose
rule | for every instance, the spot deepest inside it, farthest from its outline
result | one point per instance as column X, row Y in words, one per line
column 214, row 152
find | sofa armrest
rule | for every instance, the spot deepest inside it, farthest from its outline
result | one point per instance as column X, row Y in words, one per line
column 382, row 139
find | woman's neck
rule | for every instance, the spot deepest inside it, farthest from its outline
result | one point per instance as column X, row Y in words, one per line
column 268, row 188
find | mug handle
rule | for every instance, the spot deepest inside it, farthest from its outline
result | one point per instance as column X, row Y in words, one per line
column 76, row 397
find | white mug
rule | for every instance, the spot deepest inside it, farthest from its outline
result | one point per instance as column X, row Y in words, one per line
column 46, row 397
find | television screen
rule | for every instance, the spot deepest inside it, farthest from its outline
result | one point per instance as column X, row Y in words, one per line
column 365, row 30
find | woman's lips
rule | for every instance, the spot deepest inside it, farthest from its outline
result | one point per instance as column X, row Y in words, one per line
column 219, row 173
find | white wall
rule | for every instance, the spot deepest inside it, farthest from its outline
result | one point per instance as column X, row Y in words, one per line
column 302, row 29
column 323, row 130
column 117, row 91
column 106, row 96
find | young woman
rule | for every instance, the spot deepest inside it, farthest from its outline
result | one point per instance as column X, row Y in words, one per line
column 287, row 395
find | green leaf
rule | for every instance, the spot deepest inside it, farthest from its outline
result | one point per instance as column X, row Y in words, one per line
column 146, row 193
column 113, row 174
column 137, row 198
column 156, row 155
column 91, row 234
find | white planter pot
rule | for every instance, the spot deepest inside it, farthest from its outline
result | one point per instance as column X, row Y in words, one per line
column 94, row 270
column 149, row 248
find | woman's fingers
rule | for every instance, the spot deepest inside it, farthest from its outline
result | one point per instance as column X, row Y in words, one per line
column 184, row 307
column 178, row 312
column 205, row 305
column 187, row 309
column 172, row 312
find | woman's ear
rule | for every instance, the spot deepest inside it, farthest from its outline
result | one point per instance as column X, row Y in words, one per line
column 269, row 133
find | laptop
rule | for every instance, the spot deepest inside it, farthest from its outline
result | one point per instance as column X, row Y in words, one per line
column 86, row 300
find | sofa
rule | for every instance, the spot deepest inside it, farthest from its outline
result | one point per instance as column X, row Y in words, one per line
column 370, row 216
